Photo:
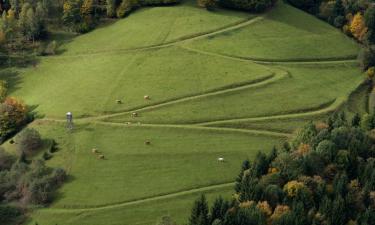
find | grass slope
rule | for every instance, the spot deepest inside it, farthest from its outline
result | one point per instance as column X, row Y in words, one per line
column 90, row 85
column 279, row 37
column 138, row 214
column 153, row 26
column 133, row 170
column 139, row 183
column 297, row 93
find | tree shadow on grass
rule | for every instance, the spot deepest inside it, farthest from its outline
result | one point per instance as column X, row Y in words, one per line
column 58, row 194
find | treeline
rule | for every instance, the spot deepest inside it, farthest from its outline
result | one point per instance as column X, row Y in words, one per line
column 324, row 176
column 23, row 22
column 355, row 18
column 83, row 15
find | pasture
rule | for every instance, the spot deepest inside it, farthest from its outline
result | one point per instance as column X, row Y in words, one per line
column 220, row 84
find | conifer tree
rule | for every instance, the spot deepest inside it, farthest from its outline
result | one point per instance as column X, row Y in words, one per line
column 199, row 212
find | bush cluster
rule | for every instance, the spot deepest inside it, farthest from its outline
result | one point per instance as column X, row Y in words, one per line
column 25, row 183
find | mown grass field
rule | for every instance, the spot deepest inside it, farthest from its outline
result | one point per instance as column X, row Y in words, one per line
column 279, row 37
column 221, row 84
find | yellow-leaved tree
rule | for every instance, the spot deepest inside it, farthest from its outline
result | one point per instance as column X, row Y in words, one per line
column 358, row 27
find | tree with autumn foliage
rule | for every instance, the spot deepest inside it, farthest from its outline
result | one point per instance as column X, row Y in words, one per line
column 13, row 114
column 358, row 27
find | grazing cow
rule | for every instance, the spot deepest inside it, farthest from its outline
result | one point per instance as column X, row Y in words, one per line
column 134, row 114
column 95, row 151
column 101, row 157
column 118, row 101
column 147, row 142
column 220, row 159
column 146, row 97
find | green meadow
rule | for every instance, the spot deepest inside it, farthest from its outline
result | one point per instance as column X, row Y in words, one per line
column 220, row 84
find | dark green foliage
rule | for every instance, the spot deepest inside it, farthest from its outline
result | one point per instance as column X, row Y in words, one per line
column 305, row 135
column 311, row 6
column 370, row 23
column 356, row 120
column 8, row 214
column 273, row 194
column 199, row 212
column 25, row 183
column 338, row 14
column 6, row 160
column 28, row 141
column 250, row 216
column 247, row 5
column 218, row 210
column 366, row 57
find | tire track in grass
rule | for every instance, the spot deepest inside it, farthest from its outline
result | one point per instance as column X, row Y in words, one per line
column 143, row 200
column 350, row 59
column 167, row 44
column 219, row 91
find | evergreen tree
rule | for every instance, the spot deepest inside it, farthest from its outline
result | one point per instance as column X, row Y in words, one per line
column 16, row 6
column 23, row 22
column 338, row 14
column 338, row 216
column 199, row 212
column 356, row 121
column 111, row 8
column 218, row 209
column 32, row 25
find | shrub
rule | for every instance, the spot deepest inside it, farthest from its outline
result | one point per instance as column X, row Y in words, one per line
column 8, row 213
column 208, row 4
column 3, row 90
column 366, row 57
column 13, row 114
column 311, row 6
column 51, row 48
column 6, row 160
column 111, row 8
column 248, row 5
column 370, row 72
column 326, row 10
column 28, row 141
column 126, row 7
column 157, row 2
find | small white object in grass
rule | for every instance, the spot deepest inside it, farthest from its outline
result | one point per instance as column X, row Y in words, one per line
column 220, row 159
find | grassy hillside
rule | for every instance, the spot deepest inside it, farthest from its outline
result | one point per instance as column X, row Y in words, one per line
column 279, row 35
column 213, row 93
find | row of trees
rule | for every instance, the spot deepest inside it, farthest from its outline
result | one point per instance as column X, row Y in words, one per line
column 23, row 21
column 324, row 176
column 84, row 15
